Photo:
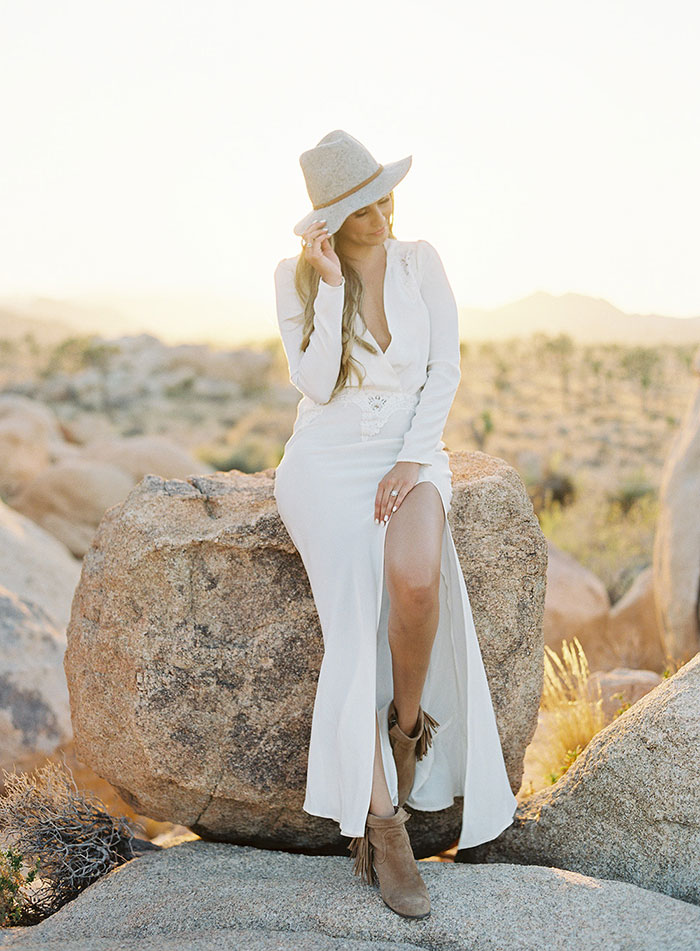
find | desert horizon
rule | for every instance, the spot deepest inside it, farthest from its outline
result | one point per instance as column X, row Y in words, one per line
column 227, row 322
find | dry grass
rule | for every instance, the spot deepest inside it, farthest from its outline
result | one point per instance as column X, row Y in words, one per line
column 571, row 713
column 576, row 718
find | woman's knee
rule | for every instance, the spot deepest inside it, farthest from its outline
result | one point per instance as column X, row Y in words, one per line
column 414, row 592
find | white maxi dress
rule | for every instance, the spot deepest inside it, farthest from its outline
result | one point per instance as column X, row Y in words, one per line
column 325, row 487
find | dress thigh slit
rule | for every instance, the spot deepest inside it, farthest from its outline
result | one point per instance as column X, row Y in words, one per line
column 325, row 487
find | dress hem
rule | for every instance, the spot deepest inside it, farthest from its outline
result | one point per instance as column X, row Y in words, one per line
column 466, row 845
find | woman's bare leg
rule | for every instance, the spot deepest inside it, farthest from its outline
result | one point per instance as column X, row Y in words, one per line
column 380, row 803
column 412, row 564
column 413, row 548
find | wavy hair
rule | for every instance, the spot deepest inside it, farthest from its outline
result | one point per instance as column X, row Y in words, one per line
column 306, row 281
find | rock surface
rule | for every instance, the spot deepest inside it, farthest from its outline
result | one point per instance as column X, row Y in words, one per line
column 36, row 566
column 194, row 649
column 676, row 559
column 576, row 605
column 34, row 710
column 140, row 455
column 620, row 686
column 28, row 432
column 203, row 896
column 70, row 498
column 629, row 806
column 634, row 634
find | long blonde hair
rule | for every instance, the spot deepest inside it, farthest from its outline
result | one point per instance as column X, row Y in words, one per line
column 306, row 281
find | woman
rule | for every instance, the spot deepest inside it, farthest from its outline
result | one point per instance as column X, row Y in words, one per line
column 370, row 331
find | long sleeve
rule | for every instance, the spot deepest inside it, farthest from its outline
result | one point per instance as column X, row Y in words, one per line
column 314, row 371
column 437, row 394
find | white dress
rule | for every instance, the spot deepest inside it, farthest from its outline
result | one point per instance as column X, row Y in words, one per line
column 325, row 487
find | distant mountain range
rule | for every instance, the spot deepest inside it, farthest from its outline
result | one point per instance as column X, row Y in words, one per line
column 586, row 319
column 179, row 318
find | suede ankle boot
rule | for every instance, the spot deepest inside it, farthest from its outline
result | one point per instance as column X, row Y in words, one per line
column 408, row 749
column 385, row 849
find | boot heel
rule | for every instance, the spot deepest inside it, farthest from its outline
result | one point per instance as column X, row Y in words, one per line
column 400, row 883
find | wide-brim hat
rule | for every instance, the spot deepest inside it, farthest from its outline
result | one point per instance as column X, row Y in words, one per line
column 342, row 176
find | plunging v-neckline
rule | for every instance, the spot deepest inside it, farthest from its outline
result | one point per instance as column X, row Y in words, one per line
column 386, row 310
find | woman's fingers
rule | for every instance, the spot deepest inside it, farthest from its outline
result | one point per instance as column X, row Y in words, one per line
column 318, row 250
column 312, row 234
column 379, row 506
column 386, row 503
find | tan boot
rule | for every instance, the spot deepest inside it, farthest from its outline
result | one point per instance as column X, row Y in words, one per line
column 386, row 849
column 408, row 749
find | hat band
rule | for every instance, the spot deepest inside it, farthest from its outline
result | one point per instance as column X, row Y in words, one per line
column 352, row 191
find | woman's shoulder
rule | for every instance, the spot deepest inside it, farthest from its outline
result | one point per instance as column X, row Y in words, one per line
column 288, row 263
column 415, row 256
column 420, row 248
column 418, row 244
column 285, row 272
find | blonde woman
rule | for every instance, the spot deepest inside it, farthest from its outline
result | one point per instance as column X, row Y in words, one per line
column 403, row 711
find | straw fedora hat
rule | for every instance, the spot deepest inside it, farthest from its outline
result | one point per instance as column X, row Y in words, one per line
column 342, row 177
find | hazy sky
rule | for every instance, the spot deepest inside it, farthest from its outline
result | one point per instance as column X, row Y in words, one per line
column 153, row 145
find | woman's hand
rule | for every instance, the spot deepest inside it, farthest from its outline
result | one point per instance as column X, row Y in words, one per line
column 319, row 253
column 401, row 477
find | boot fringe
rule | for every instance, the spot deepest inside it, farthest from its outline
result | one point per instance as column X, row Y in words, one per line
column 425, row 740
column 361, row 850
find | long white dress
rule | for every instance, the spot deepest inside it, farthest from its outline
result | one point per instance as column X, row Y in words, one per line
column 325, row 487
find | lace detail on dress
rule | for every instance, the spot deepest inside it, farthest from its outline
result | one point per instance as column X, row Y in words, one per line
column 376, row 406
column 408, row 268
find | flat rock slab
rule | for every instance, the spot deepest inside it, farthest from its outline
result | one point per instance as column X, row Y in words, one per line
column 208, row 895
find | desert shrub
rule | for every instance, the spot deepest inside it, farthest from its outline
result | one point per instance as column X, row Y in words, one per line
column 614, row 545
column 482, row 428
column 74, row 354
column 555, row 488
column 642, row 365
column 634, row 487
column 15, row 899
column 250, row 455
column 182, row 388
column 67, row 835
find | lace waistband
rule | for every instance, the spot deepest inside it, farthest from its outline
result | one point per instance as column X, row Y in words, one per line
column 376, row 406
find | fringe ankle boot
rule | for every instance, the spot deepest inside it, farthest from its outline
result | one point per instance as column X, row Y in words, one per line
column 384, row 852
column 408, row 749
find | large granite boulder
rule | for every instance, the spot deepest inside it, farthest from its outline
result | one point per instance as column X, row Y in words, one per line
column 676, row 558
column 634, row 634
column 620, row 687
column 194, row 648
column 68, row 499
column 629, row 806
column 36, row 566
column 140, row 455
column 577, row 604
column 209, row 896
column 34, row 709
column 29, row 432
